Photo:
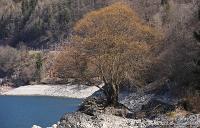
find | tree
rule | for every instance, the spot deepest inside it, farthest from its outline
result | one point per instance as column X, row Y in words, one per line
column 38, row 66
column 111, row 45
column 197, row 60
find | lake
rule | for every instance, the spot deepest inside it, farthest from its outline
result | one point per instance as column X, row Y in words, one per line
column 26, row 111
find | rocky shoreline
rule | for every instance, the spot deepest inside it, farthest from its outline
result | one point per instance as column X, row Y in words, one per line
column 81, row 120
column 168, row 113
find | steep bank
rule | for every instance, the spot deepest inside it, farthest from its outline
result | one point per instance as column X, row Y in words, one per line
column 72, row 91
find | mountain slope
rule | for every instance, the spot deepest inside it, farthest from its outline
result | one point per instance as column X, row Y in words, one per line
column 39, row 23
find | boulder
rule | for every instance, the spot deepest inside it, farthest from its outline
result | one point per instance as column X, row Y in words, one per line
column 35, row 126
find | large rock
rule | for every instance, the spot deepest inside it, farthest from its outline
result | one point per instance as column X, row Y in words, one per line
column 135, row 101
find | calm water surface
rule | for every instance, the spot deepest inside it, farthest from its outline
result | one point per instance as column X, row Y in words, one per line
column 24, row 112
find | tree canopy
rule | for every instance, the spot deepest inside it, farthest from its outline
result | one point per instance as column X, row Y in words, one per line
column 112, row 45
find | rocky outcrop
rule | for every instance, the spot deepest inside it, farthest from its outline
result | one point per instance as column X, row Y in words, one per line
column 138, row 109
column 135, row 101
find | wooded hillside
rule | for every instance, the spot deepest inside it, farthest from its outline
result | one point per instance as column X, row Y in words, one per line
column 40, row 23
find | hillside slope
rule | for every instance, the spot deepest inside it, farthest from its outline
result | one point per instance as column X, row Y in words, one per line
column 39, row 23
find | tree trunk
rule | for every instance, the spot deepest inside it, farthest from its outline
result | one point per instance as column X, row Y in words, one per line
column 112, row 94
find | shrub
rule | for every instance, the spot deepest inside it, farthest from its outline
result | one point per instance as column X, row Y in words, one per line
column 25, row 69
column 9, row 57
column 20, row 66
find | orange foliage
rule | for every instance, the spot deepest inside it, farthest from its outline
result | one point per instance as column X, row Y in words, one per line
column 115, row 37
column 111, row 44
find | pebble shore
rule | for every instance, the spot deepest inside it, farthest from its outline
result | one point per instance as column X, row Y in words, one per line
column 70, row 91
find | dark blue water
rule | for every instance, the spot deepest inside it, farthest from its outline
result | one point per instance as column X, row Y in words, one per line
column 24, row 112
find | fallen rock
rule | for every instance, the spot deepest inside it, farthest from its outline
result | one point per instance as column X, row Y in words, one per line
column 135, row 101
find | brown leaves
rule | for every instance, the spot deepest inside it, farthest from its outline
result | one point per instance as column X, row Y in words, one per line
column 111, row 43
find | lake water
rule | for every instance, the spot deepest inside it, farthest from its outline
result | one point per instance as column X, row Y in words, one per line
column 24, row 112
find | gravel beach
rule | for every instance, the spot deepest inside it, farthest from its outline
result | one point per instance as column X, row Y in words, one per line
column 70, row 91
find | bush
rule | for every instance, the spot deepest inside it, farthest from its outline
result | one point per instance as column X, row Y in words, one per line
column 20, row 66
column 9, row 57
column 28, row 69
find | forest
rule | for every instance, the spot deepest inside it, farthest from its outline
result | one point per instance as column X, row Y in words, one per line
column 40, row 23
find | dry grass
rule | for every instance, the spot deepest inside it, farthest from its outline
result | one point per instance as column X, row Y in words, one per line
column 194, row 102
column 177, row 113
column 192, row 98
